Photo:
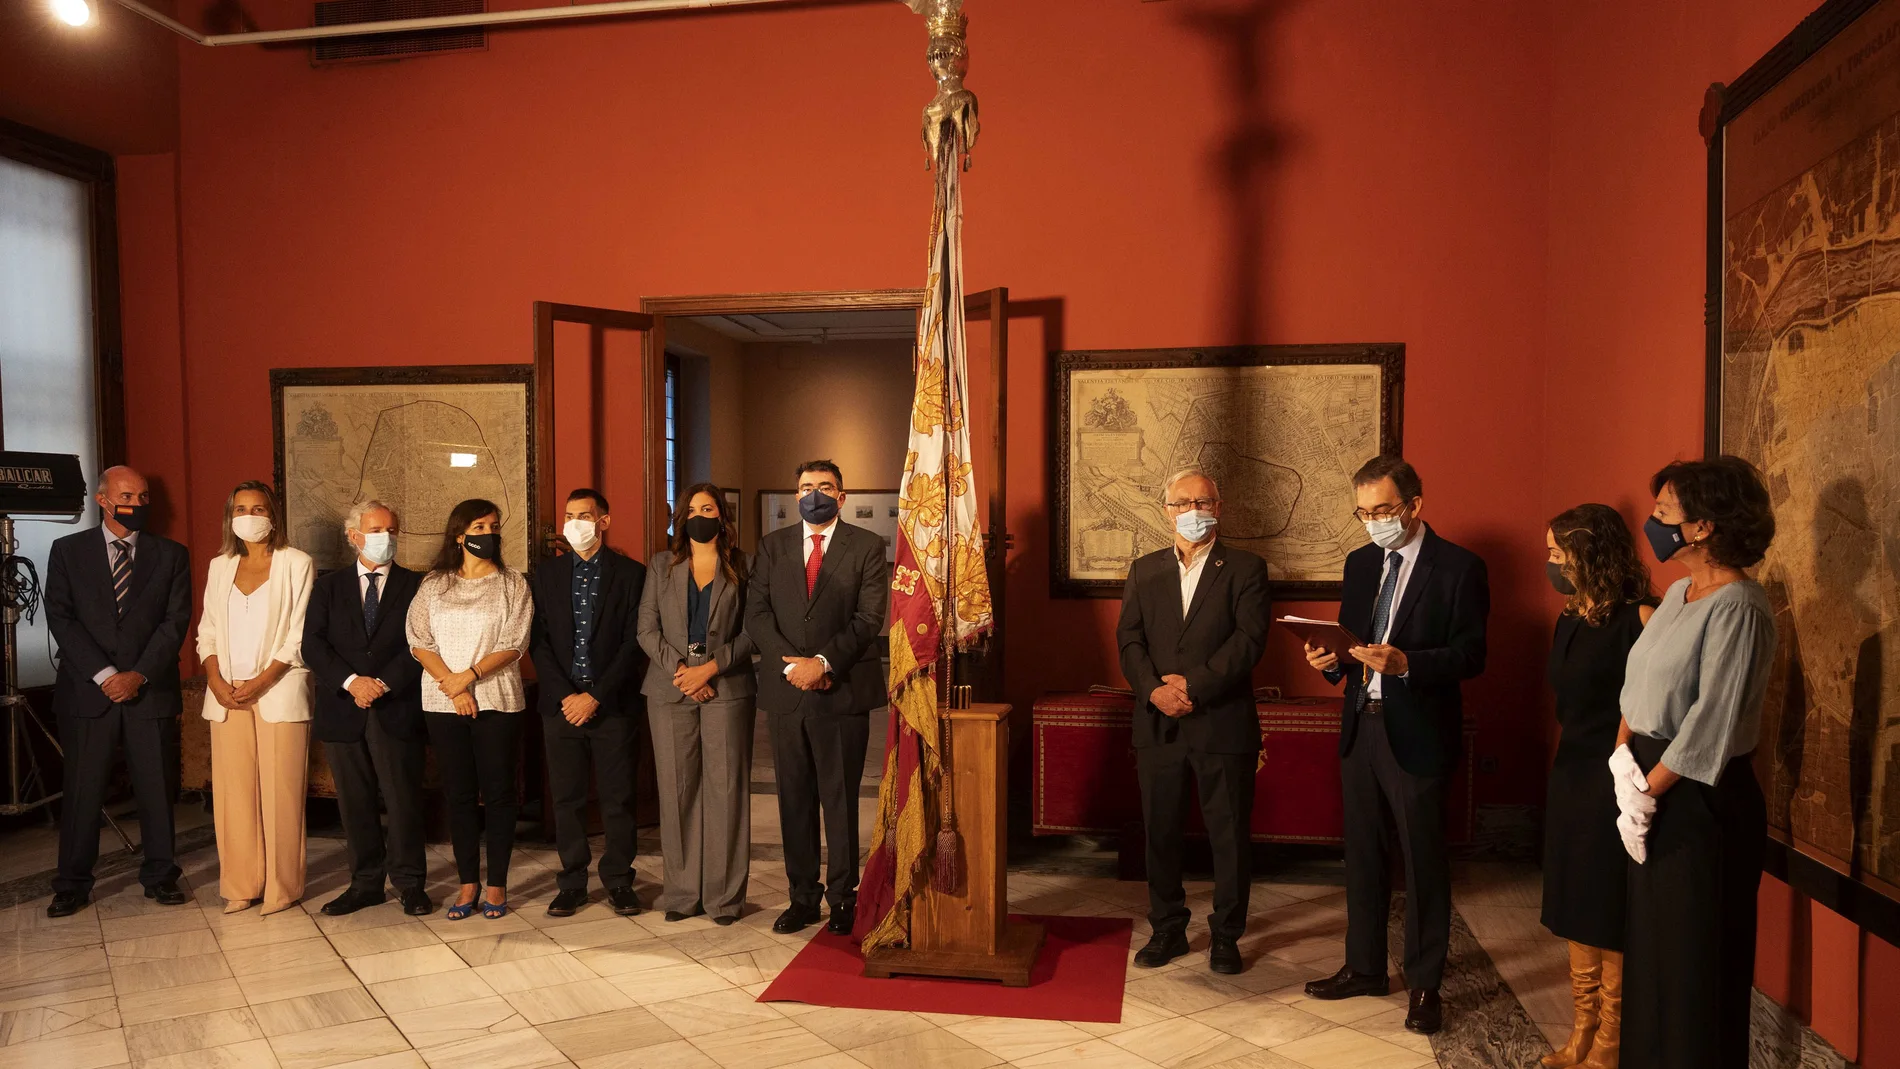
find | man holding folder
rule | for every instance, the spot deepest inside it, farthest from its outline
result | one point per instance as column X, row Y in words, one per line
column 1194, row 621
column 1421, row 602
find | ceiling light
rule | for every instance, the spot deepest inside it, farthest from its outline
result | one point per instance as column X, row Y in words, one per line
column 72, row 12
column 461, row 460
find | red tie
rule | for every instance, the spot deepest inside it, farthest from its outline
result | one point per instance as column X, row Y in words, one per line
column 813, row 563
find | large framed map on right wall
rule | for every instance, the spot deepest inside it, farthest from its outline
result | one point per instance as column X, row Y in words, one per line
column 1281, row 428
column 1804, row 380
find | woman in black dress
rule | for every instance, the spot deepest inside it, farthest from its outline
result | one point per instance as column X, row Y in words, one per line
column 1594, row 563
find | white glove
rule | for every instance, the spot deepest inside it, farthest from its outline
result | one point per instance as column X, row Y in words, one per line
column 1635, row 833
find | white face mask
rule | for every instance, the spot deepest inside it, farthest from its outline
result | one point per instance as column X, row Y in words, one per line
column 583, row 535
column 1386, row 534
column 379, row 548
column 251, row 528
column 1194, row 526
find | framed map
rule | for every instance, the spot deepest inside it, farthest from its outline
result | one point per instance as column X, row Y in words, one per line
column 1281, row 428
column 1804, row 380
column 420, row 438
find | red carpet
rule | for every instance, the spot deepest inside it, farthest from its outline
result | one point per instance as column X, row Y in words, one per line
column 1078, row 977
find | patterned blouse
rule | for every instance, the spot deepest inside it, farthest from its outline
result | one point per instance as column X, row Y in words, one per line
column 464, row 620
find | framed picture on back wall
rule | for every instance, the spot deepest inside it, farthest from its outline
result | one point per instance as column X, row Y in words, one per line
column 420, row 439
column 1281, row 428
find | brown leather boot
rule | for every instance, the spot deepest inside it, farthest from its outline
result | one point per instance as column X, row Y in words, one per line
column 1606, row 1052
column 1586, row 973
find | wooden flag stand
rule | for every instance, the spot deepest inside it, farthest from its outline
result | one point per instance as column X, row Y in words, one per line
column 966, row 932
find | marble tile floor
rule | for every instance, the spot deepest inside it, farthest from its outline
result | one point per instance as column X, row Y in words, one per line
column 127, row 982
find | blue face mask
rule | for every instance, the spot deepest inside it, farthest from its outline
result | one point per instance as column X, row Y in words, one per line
column 1196, row 525
column 818, row 507
column 1665, row 539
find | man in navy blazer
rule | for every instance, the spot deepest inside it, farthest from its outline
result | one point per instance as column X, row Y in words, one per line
column 368, row 712
column 118, row 601
column 1421, row 604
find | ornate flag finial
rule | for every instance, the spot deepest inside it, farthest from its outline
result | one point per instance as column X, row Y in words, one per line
column 953, row 110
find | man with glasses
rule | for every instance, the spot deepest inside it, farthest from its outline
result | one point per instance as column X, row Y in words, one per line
column 815, row 606
column 1420, row 603
column 1193, row 624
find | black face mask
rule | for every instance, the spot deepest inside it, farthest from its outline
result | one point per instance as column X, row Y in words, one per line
column 818, row 507
column 703, row 528
column 1558, row 579
column 130, row 517
column 482, row 546
column 1665, row 539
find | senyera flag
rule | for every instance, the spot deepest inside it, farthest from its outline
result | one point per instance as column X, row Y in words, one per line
column 911, row 817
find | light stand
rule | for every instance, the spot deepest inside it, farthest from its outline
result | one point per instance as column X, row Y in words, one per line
column 27, row 788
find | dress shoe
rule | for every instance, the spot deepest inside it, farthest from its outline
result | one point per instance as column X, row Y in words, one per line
column 842, row 917
column 1427, row 1015
column 1224, row 955
column 568, row 902
column 1163, row 947
column 796, row 918
column 167, row 894
column 625, row 901
column 352, row 900
column 417, row 903
column 1347, row 984
column 67, row 903
column 724, row 921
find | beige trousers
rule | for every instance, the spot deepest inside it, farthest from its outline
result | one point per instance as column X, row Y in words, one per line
column 259, row 772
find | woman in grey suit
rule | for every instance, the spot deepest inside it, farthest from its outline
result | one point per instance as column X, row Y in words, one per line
column 700, row 690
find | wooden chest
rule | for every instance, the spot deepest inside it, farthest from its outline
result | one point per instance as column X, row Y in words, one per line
column 1083, row 774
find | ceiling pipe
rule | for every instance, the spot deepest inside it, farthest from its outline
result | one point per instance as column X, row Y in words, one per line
column 435, row 22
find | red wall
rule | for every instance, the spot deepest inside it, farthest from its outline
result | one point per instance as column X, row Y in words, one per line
column 408, row 213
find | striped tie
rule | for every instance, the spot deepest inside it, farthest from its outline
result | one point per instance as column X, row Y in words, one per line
column 121, row 572
column 1381, row 617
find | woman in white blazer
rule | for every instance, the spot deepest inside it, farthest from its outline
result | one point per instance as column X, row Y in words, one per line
column 258, row 698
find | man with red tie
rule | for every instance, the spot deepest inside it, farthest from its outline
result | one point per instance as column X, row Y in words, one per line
column 815, row 607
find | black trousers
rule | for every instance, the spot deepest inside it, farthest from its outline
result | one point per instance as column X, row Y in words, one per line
column 606, row 745
column 477, row 758
column 1374, row 784
column 819, row 761
column 151, row 757
column 379, row 772
column 1689, row 962
column 1225, row 785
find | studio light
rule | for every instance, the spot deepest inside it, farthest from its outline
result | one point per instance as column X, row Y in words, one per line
column 72, row 12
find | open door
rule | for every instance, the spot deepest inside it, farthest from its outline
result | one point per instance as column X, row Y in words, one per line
column 614, row 366
column 989, row 445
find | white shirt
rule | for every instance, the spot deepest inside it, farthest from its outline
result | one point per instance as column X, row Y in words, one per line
column 246, row 618
column 1408, row 558
column 1191, row 572
column 363, row 572
column 823, row 535
column 131, row 541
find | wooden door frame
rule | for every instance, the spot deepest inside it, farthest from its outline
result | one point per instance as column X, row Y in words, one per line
column 546, row 314
column 981, row 302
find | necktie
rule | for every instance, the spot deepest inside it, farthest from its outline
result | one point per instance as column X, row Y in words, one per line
column 813, row 563
column 121, row 572
column 370, row 604
column 1382, row 615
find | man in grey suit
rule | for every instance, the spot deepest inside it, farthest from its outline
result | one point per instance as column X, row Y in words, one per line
column 815, row 608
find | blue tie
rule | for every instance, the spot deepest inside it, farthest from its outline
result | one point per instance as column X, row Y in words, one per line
column 370, row 604
column 1381, row 615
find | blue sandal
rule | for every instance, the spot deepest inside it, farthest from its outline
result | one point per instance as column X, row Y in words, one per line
column 462, row 911
column 494, row 911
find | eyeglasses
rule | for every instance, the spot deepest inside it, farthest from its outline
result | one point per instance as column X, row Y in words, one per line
column 1383, row 512
column 1197, row 504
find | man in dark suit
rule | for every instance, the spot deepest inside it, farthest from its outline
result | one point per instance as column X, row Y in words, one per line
column 586, row 650
column 1194, row 622
column 118, row 601
column 1421, row 604
column 815, row 607
column 368, row 712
